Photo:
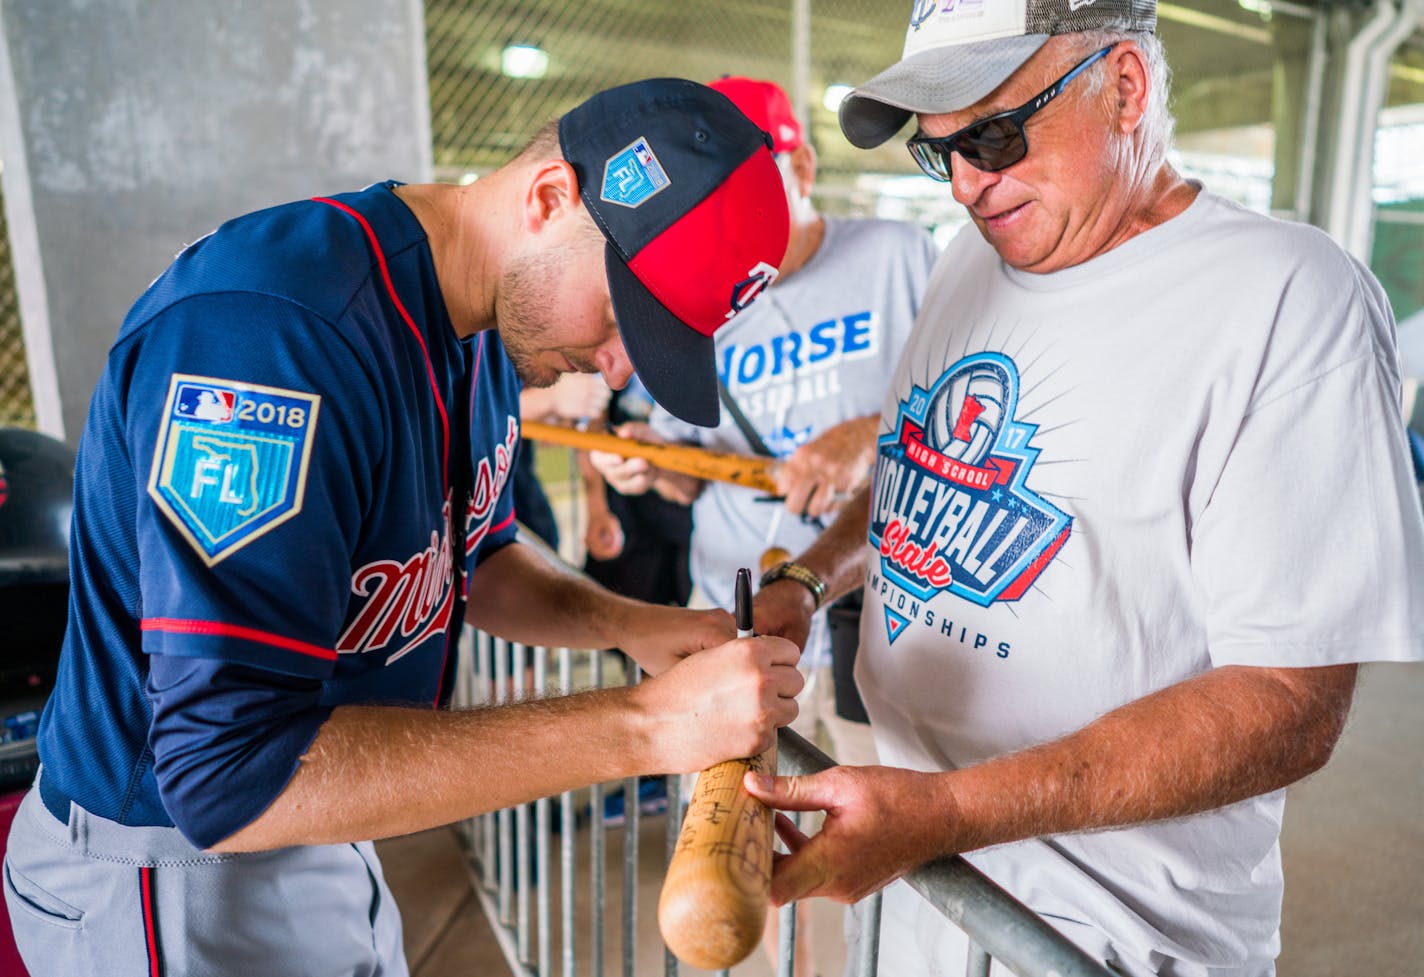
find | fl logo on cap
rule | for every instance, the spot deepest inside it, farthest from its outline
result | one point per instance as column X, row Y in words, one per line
column 633, row 174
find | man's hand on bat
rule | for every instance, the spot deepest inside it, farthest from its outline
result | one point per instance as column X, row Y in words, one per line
column 821, row 475
column 636, row 476
column 880, row 823
column 628, row 476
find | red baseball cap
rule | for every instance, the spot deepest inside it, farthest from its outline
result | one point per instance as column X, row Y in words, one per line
column 691, row 203
column 767, row 105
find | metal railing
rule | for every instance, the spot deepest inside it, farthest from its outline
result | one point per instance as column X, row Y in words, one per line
column 518, row 883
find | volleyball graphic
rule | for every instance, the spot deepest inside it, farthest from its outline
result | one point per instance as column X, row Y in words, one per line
column 959, row 435
column 967, row 411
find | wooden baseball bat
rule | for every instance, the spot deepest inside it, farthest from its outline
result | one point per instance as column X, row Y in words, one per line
column 713, row 905
column 718, row 466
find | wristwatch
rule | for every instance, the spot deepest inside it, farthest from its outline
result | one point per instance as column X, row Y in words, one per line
column 803, row 575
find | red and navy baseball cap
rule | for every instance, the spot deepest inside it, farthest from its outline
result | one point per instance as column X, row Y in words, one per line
column 766, row 104
column 687, row 194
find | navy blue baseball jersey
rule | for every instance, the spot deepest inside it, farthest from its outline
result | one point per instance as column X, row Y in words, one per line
column 262, row 524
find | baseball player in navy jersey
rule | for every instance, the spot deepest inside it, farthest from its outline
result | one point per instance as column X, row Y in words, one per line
column 295, row 471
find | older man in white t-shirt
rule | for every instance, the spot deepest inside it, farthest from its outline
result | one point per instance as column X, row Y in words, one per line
column 1142, row 503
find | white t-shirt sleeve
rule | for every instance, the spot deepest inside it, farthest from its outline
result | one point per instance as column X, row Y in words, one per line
column 1315, row 519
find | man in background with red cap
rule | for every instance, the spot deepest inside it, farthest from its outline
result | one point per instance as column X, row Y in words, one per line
column 1115, row 597
column 802, row 378
column 296, row 465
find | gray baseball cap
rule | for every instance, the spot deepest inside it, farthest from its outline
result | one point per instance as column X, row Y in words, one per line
column 958, row 51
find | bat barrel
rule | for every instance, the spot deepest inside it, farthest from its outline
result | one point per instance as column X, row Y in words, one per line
column 712, row 910
column 718, row 466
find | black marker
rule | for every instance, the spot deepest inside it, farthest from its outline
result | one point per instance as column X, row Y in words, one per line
column 743, row 607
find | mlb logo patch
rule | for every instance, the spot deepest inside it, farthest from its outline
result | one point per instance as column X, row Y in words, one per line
column 231, row 461
column 202, row 402
column 633, row 175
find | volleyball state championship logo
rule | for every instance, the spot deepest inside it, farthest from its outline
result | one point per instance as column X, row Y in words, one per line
column 951, row 508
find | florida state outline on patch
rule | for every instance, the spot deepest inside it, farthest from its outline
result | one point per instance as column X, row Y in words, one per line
column 231, row 460
column 952, row 508
column 632, row 175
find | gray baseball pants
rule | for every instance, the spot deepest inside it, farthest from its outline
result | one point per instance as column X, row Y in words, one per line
column 92, row 898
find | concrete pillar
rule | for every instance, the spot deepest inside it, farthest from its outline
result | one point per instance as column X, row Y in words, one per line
column 1293, row 118
column 128, row 128
column 1361, row 47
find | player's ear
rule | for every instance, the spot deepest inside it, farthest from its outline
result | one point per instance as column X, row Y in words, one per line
column 553, row 193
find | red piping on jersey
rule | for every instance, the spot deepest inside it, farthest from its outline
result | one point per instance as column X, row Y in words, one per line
column 150, row 921
column 172, row 625
column 400, row 307
column 494, row 529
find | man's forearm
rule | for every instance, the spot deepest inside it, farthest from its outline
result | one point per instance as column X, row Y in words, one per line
column 522, row 595
column 376, row 772
column 838, row 556
column 593, row 485
column 1229, row 734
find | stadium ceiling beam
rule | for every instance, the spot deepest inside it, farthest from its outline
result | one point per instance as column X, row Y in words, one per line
column 1211, row 22
column 1262, row 35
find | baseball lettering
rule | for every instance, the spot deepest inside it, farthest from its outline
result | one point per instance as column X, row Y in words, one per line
column 490, row 476
column 412, row 600
column 822, row 347
column 802, row 390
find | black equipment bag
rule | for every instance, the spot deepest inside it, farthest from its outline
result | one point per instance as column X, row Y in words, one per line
column 36, row 496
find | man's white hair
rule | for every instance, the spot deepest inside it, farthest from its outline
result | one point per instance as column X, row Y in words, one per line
column 1157, row 123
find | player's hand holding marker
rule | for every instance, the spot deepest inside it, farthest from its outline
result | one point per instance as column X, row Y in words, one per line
column 723, row 702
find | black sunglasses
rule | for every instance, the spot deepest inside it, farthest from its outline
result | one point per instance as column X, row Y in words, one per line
column 994, row 143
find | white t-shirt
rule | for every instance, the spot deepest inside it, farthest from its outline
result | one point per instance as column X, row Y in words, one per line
column 814, row 350
column 1096, row 483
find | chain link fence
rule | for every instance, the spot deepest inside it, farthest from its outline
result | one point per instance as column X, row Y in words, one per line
column 485, row 103
column 17, row 407
column 483, row 110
